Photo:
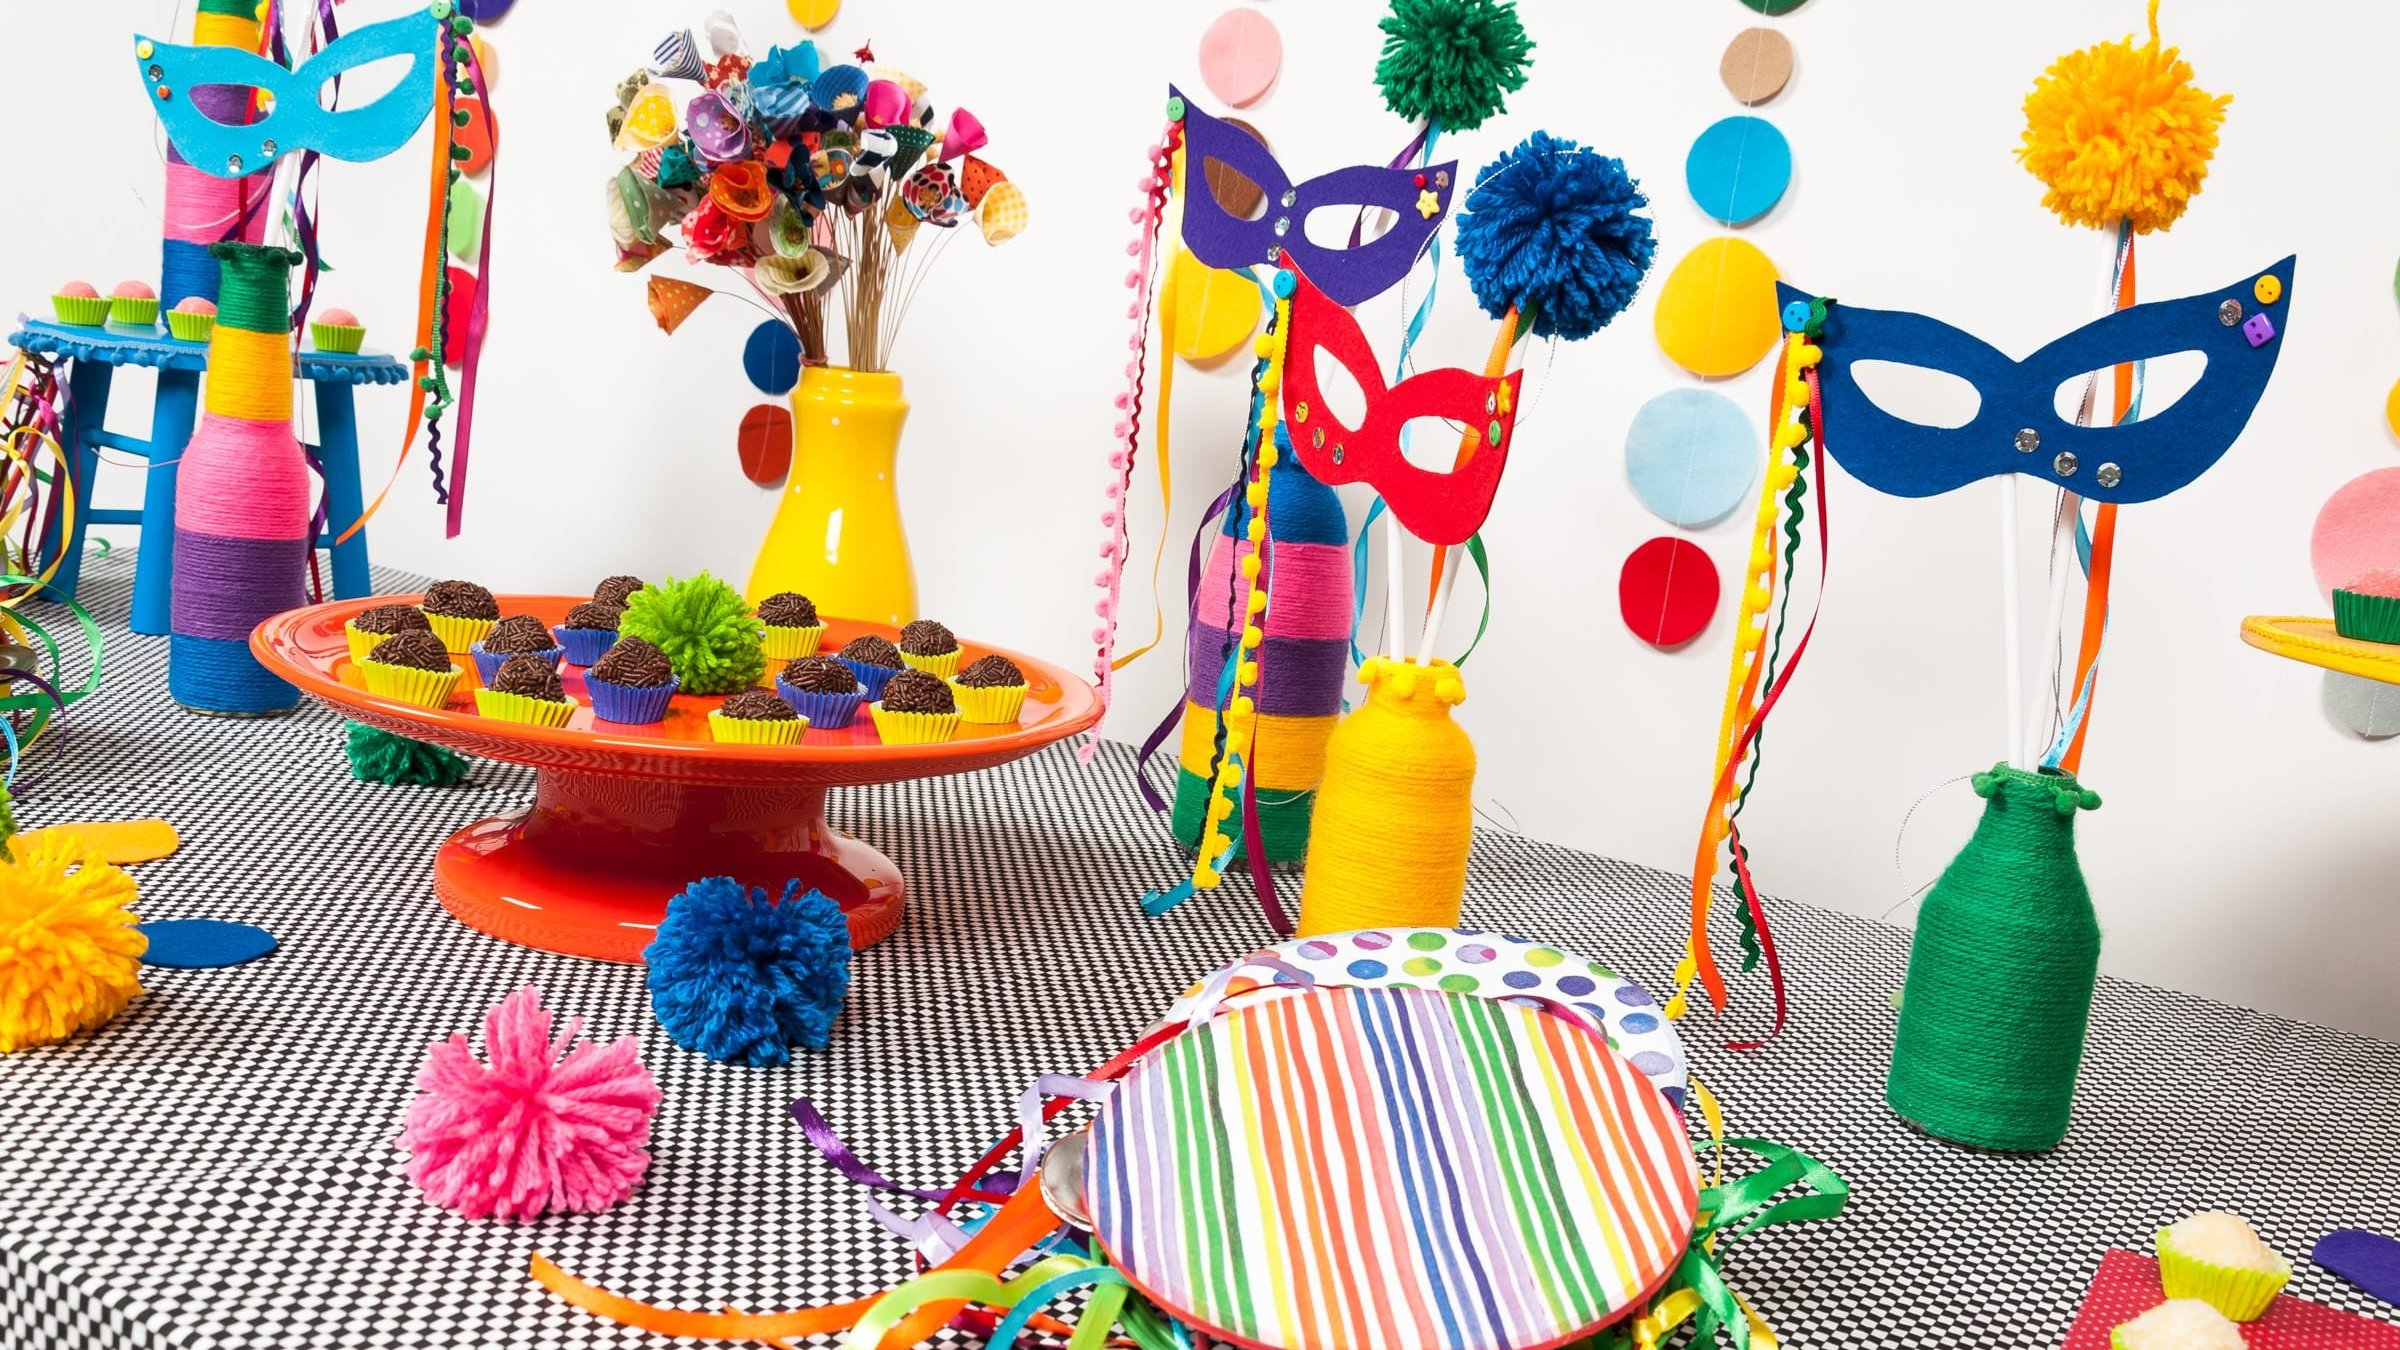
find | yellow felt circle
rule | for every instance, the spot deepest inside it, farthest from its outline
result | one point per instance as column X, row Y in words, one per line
column 1214, row 311
column 813, row 14
column 2391, row 409
column 2269, row 289
column 1716, row 314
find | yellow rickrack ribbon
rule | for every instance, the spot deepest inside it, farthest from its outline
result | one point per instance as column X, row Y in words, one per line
column 1746, row 671
column 1223, row 793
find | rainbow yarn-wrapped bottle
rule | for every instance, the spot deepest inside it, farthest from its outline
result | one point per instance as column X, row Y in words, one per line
column 1300, row 668
column 242, row 498
column 202, row 209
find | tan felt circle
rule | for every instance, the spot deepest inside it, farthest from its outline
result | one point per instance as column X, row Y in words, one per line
column 1757, row 65
column 1238, row 195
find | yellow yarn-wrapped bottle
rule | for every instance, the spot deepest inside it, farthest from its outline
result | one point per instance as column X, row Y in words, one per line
column 1388, row 841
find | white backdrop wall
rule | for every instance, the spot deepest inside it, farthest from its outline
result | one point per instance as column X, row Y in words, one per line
column 2247, row 849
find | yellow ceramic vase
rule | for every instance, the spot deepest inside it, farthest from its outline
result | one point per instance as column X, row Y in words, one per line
column 837, row 537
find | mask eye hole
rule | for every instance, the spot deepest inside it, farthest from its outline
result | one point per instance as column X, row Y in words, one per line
column 1339, row 394
column 1431, row 443
column 1329, row 227
column 2165, row 380
column 1919, row 394
column 228, row 105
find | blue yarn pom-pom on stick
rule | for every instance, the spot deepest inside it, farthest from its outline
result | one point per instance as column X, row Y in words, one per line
column 741, row 978
column 1553, row 228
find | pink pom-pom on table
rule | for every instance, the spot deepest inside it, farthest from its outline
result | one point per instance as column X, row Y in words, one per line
column 2383, row 582
column 530, row 1133
column 78, row 290
column 134, row 290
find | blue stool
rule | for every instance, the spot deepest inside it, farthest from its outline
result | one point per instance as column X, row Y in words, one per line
column 96, row 353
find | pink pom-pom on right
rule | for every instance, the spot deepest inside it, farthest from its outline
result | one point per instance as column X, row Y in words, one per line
column 530, row 1133
column 2382, row 582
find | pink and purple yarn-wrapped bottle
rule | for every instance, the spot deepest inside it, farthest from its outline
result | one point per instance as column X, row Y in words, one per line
column 242, row 498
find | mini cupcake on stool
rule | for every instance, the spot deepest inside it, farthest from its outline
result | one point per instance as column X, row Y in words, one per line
column 916, row 709
column 525, row 689
column 756, row 717
column 2369, row 608
column 873, row 660
column 930, row 647
column 793, row 628
column 589, row 631
column 133, row 304
column 617, row 590
column 2218, row 1259
column 461, row 612
column 80, row 306
column 990, row 692
column 374, row 625
column 338, row 331
column 194, row 319
column 413, row 668
column 516, row 635
column 633, row 683
column 822, row 690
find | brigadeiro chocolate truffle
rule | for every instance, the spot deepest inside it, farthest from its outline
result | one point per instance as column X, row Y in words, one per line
column 757, row 705
column 529, row 677
column 633, row 683
column 991, row 692
column 823, row 690
column 916, row 709
column 756, row 717
column 636, row 664
column 526, row 689
column 788, row 609
column 597, row 615
column 992, row 672
column 589, row 631
column 411, row 667
column 412, row 651
column 519, row 633
column 872, row 660
column 374, row 625
column 930, row 647
column 617, row 590
column 461, row 611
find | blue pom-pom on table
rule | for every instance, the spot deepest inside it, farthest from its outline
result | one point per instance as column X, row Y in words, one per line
column 1554, row 229
column 741, row 978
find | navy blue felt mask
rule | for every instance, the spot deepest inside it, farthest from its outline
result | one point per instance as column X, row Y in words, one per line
column 2016, row 427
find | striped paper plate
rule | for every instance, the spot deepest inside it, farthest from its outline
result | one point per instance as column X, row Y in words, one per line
column 1397, row 1168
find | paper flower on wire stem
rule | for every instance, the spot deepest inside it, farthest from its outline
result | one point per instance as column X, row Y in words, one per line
column 710, row 637
column 1453, row 62
column 70, row 957
column 741, row 978
column 530, row 1133
column 1555, row 229
column 2119, row 132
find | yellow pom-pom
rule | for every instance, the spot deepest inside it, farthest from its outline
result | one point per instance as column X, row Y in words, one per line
column 1250, row 565
column 1790, row 434
column 1256, row 493
column 1204, row 876
column 1248, row 674
column 1267, row 455
column 1243, row 706
column 70, row 957
column 1257, row 531
column 2119, row 132
column 1251, row 637
column 1258, row 600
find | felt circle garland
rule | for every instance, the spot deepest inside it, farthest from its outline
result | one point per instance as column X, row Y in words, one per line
column 1392, row 1167
column 1691, row 456
column 765, row 443
column 1738, row 169
column 1716, row 315
column 1756, row 65
column 1240, row 56
column 1668, row 591
column 771, row 358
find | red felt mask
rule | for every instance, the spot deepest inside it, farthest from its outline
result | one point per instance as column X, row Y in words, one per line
column 1440, row 508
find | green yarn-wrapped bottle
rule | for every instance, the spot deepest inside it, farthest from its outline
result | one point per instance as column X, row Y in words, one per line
column 2000, row 974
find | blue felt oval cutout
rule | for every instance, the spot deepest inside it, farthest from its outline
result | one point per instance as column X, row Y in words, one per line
column 1738, row 169
column 203, row 944
column 1691, row 457
column 771, row 358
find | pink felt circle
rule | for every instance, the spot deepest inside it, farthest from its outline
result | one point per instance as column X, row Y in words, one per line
column 1668, row 591
column 1240, row 56
column 2357, row 531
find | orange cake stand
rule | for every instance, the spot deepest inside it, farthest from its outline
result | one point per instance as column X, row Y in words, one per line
column 624, row 817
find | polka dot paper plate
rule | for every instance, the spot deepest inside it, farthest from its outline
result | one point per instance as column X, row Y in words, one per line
column 1465, row 962
column 1391, row 1167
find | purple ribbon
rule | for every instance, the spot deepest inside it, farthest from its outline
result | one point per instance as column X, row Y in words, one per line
column 1191, row 596
column 820, row 1133
column 478, row 314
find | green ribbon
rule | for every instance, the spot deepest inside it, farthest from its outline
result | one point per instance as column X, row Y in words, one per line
column 1742, row 1206
column 1794, row 511
column 40, row 704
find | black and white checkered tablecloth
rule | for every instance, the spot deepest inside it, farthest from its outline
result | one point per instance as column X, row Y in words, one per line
column 215, row 1167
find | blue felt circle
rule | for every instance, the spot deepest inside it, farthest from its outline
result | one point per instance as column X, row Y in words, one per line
column 203, row 944
column 771, row 358
column 1738, row 169
column 1691, row 456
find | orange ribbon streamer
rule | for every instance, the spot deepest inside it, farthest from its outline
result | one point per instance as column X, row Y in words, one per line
column 2104, row 552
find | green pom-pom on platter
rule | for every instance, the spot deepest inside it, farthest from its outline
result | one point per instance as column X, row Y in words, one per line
column 709, row 635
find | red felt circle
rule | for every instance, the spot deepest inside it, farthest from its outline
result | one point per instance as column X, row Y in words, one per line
column 1668, row 591
column 454, row 316
column 766, row 444
column 476, row 135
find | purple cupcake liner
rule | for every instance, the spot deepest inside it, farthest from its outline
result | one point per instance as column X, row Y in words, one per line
column 584, row 646
column 830, row 712
column 487, row 664
column 627, row 704
column 870, row 678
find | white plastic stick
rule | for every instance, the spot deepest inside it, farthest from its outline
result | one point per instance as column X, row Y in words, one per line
column 1441, row 608
column 2011, row 626
column 2062, row 551
column 1395, row 586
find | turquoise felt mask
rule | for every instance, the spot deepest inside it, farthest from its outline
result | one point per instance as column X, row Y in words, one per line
column 2016, row 427
column 203, row 94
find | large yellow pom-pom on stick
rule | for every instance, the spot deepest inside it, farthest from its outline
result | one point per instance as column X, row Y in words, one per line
column 2119, row 132
column 70, row 957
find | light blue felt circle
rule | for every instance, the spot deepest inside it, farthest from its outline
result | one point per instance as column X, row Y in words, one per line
column 203, row 944
column 1691, row 456
column 771, row 358
column 1738, row 169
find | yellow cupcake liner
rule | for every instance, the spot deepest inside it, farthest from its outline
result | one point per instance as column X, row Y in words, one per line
column 535, row 712
column 339, row 339
column 361, row 641
column 191, row 327
column 790, row 644
column 940, row 667
column 136, row 313
column 424, row 688
column 997, row 707
column 756, row 731
column 907, row 728
column 2240, row 1293
column 460, row 635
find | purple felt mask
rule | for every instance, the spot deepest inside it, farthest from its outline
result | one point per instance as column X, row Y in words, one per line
column 1348, row 275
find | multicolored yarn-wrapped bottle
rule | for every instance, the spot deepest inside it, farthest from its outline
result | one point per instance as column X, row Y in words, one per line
column 1300, row 669
column 1396, row 814
column 202, row 209
column 242, row 498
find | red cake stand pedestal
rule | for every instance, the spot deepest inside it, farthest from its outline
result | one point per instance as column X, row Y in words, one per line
column 624, row 817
